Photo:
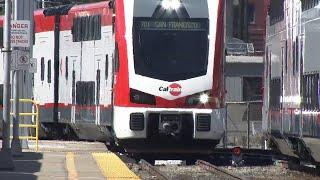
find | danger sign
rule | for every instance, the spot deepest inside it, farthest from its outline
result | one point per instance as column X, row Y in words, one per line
column 20, row 33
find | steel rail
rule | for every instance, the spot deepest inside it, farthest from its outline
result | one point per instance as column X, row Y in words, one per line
column 153, row 170
column 216, row 170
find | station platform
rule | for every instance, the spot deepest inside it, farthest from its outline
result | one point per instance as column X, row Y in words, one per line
column 68, row 160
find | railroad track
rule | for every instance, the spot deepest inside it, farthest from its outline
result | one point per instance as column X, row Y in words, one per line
column 216, row 170
column 202, row 164
column 153, row 170
column 298, row 167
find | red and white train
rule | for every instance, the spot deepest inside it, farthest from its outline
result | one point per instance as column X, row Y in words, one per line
column 146, row 74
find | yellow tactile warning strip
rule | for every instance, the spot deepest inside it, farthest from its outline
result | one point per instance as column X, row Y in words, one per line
column 112, row 167
column 71, row 168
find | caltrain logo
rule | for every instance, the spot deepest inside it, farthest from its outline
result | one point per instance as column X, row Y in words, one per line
column 173, row 89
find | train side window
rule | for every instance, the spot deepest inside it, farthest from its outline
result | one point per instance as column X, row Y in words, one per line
column 67, row 68
column 76, row 30
column 106, row 67
column 49, row 71
column 85, row 93
column 98, row 87
column 42, row 68
column 308, row 4
column 284, row 59
column 116, row 59
column 267, row 62
column 297, row 54
column 97, row 27
column 275, row 93
column 34, row 33
column 1, row 37
column 86, row 28
column 1, row 94
column 310, row 95
column 294, row 58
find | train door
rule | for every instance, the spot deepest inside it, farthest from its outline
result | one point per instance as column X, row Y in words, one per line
column 104, row 49
column 43, row 79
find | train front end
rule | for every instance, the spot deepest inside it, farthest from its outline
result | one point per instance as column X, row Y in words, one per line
column 169, row 84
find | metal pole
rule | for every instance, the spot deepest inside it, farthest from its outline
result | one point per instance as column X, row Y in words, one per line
column 6, row 161
column 225, row 144
column 248, row 120
column 15, row 144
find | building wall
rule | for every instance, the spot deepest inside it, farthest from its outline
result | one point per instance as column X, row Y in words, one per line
column 239, row 24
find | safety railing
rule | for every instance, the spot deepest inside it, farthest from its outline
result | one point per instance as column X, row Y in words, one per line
column 35, row 113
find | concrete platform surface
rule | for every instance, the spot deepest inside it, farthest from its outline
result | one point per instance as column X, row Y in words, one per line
column 63, row 160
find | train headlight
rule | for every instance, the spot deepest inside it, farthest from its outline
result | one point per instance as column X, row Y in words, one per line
column 204, row 98
column 171, row 4
column 199, row 98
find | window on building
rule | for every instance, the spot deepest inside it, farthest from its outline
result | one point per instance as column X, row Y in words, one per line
column 252, row 88
column 276, row 11
column 42, row 69
column 251, row 12
column 86, row 28
column 49, row 71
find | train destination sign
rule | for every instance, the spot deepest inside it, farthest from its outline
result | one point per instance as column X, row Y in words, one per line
column 172, row 25
column 20, row 33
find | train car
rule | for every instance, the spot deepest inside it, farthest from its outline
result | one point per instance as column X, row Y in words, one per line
column 146, row 75
column 74, row 79
column 291, row 94
column 73, row 82
column 169, row 83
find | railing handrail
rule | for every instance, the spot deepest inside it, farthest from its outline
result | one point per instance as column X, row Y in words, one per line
column 36, row 125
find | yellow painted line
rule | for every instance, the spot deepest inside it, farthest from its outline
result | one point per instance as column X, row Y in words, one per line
column 112, row 167
column 71, row 167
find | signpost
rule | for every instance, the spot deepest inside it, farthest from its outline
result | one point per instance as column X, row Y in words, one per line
column 20, row 41
column 6, row 161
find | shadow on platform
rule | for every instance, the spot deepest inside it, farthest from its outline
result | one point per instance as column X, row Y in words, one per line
column 25, row 167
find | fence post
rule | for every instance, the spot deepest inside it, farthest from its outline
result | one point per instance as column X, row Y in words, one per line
column 248, row 125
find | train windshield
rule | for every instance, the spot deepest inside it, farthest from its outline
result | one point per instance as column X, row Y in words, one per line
column 170, row 49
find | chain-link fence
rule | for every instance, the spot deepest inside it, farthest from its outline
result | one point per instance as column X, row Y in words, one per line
column 244, row 124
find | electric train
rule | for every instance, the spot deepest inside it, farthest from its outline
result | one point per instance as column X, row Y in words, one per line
column 146, row 75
